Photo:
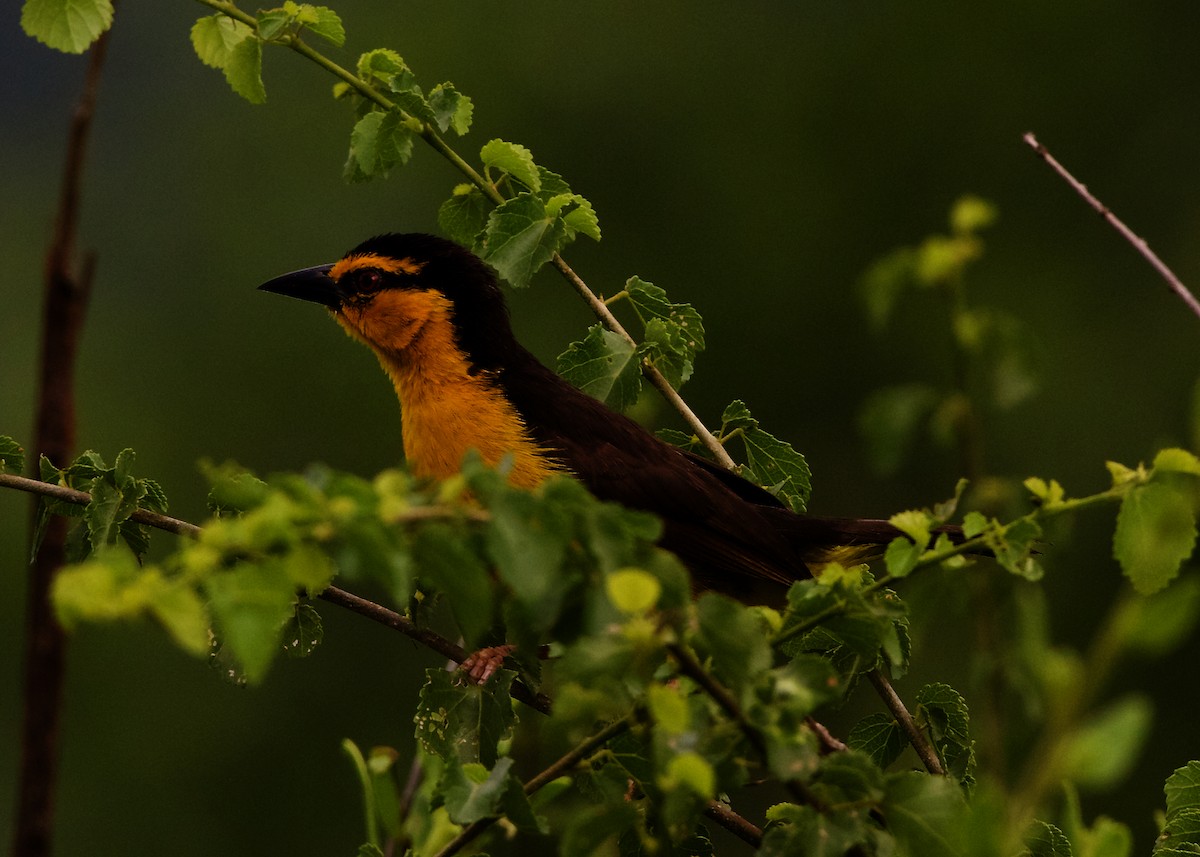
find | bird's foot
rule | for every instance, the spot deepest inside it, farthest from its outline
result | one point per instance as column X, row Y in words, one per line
column 480, row 665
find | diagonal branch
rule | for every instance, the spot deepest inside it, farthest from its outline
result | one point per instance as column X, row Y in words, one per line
column 1116, row 223
column 431, row 136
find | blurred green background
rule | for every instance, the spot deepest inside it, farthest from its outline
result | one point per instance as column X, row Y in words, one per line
column 752, row 158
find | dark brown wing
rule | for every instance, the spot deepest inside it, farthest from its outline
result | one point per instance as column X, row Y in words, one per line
column 723, row 527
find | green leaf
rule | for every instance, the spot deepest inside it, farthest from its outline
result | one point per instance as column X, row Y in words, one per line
column 12, row 456
column 944, row 714
column 521, row 237
column 451, row 564
column 66, row 25
column 604, row 366
column 884, row 282
column 462, row 721
column 633, row 591
column 273, row 22
column 1156, row 532
column 112, row 586
column 513, row 159
column 925, row 814
column 1177, row 461
column 474, row 793
column 243, row 71
column 666, row 348
column 737, row 416
column 649, row 301
column 901, row 556
column 734, row 637
column 324, row 22
column 1158, row 624
column 215, row 37
column 971, row 213
column 303, row 632
column 890, row 420
column 451, row 109
column 1105, row 748
column 1183, row 789
column 251, row 604
column 776, row 466
column 464, row 216
column 880, row 737
column 379, row 141
column 1046, row 840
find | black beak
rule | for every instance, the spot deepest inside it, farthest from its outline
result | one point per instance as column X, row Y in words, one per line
column 310, row 284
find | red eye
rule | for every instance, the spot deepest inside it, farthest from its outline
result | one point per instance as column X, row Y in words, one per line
column 368, row 280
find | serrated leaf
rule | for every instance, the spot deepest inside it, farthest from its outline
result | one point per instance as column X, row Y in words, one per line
column 943, row 711
column 66, row 25
column 464, row 216
column 303, row 632
column 667, row 348
column 412, row 101
column 451, row 109
column 604, row 366
column 12, row 456
column 733, row 636
column 324, row 22
column 1183, row 789
column 1156, row 532
column 880, row 737
column 514, row 159
column 650, row 301
column 381, row 64
column 457, row 719
column 779, row 468
column 1177, row 461
column 736, row 416
column 251, row 603
column 273, row 22
column 215, row 37
column 521, row 237
column 1046, row 840
column 576, row 213
column 901, row 556
column 379, row 141
column 243, row 70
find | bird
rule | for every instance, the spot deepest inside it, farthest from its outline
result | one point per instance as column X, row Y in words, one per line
column 435, row 316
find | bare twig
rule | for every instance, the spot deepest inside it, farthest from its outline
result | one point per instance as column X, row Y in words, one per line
column 895, row 704
column 66, row 299
column 1115, row 222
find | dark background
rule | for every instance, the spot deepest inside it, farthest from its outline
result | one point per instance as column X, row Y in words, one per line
column 751, row 158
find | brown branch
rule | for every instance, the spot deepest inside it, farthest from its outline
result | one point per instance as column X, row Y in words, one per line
column 895, row 704
column 64, row 308
column 1128, row 234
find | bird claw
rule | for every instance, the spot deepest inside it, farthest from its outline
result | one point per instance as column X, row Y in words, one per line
column 480, row 666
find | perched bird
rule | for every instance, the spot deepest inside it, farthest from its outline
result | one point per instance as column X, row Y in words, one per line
column 435, row 317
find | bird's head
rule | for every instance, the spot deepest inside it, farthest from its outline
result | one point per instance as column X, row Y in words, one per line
column 389, row 289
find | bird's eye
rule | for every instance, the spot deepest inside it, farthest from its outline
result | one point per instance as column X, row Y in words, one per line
column 367, row 281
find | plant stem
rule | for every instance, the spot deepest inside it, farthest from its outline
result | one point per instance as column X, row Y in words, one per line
column 65, row 303
column 1139, row 244
column 564, row 764
column 438, row 143
column 895, row 704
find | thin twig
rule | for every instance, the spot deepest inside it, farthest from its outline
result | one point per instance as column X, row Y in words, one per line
column 1115, row 222
column 693, row 669
column 431, row 136
column 895, row 704
column 66, row 297
column 564, row 764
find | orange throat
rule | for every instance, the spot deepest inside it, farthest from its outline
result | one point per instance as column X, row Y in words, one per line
column 445, row 410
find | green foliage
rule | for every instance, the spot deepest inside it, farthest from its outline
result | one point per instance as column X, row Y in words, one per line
column 66, row 25
column 12, row 455
column 995, row 357
column 662, row 703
